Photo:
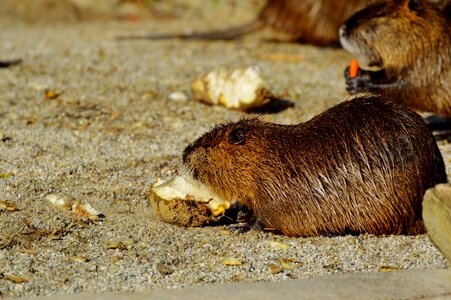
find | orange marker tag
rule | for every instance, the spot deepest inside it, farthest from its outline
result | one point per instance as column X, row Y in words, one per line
column 354, row 68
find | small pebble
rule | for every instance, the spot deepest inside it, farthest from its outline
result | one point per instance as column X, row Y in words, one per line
column 178, row 96
column 78, row 258
column 51, row 94
column 164, row 269
column 275, row 269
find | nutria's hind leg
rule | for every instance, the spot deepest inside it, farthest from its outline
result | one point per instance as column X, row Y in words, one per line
column 417, row 228
column 440, row 127
column 330, row 234
column 442, row 136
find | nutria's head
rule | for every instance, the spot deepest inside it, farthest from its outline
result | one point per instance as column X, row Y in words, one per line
column 227, row 157
column 389, row 34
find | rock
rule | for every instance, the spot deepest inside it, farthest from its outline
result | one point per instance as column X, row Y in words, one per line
column 437, row 217
column 164, row 269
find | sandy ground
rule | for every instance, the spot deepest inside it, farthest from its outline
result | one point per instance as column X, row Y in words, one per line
column 114, row 130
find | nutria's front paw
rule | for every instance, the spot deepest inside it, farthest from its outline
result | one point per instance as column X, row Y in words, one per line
column 359, row 83
column 246, row 222
column 240, row 228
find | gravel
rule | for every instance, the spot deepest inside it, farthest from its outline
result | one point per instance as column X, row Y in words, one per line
column 115, row 127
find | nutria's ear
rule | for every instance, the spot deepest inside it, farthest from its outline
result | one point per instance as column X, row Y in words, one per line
column 415, row 5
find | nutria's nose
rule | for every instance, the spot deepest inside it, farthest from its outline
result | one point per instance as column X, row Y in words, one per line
column 343, row 31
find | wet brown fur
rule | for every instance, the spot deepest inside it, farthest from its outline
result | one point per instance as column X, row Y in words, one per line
column 410, row 41
column 361, row 166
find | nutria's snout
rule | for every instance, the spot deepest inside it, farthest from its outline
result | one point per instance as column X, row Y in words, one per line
column 343, row 31
column 193, row 157
column 187, row 152
column 344, row 37
column 347, row 41
column 187, row 163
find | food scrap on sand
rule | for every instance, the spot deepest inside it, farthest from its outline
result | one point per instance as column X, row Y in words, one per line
column 187, row 202
column 76, row 206
column 354, row 68
column 241, row 89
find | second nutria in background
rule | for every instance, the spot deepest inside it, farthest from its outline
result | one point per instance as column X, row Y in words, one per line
column 361, row 166
column 308, row 21
column 408, row 43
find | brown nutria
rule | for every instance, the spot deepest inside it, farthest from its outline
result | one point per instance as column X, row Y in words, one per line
column 361, row 166
column 309, row 21
column 409, row 43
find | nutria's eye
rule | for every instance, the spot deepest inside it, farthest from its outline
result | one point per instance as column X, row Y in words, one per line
column 415, row 5
column 237, row 136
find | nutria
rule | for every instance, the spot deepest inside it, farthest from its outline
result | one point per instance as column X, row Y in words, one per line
column 361, row 166
column 409, row 43
column 309, row 21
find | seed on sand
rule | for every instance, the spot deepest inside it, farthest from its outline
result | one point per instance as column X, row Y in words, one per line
column 78, row 258
column 231, row 261
column 15, row 278
column 4, row 205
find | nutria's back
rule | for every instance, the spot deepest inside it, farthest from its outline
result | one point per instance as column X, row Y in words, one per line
column 361, row 166
column 309, row 21
column 312, row 21
column 409, row 41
